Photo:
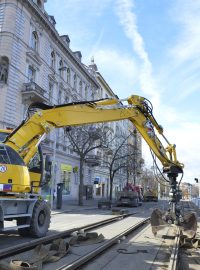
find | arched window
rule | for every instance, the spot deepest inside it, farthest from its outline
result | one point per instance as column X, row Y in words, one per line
column 39, row 3
column 80, row 88
column 34, row 41
column 4, row 62
column 75, row 81
column 68, row 75
column 53, row 59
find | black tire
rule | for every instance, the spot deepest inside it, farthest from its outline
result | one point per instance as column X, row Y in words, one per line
column 23, row 231
column 40, row 219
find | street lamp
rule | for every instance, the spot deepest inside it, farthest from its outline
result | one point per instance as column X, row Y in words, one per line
column 53, row 174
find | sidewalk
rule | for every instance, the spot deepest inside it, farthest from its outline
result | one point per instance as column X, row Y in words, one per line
column 71, row 205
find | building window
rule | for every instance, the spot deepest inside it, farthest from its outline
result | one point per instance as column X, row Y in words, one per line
column 66, row 99
column 86, row 92
column 68, row 75
column 75, row 81
column 39, row 3
column 66, row 180
column 59, row 96
column 53, row 59
column 34, row 41
column 61, row 68
column 80, row 88
column 31, row 74
column 4, row 62
column 51, row 92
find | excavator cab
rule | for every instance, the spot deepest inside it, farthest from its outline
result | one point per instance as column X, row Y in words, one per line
column 13, row 168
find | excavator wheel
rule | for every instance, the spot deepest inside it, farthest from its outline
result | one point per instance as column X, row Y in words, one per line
column 40, row 219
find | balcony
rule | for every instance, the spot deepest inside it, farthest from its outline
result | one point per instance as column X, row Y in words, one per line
column 32, row 92
column 93, row 160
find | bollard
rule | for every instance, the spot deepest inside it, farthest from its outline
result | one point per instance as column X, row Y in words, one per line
column 59, row 195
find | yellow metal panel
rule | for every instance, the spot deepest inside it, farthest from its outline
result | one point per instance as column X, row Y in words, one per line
column 16, row 175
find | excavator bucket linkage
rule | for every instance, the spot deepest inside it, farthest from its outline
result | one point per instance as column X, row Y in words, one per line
column 187, row 222
column 174, row 215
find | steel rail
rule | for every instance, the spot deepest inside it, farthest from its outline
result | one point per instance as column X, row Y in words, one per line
column 86, row 258
column 173, row 263
column 17, row 249
column 74, row 210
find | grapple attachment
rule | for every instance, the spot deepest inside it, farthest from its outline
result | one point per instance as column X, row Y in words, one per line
column 187, row 222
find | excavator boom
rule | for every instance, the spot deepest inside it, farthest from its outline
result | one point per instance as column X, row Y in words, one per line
column 26, row 138
column 28, row 135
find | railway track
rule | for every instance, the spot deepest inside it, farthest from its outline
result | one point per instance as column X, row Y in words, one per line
column 17, row 249
column 81, row 257
column 128, row 244
column 132, row 253
column 102, row 248
column 20, row 252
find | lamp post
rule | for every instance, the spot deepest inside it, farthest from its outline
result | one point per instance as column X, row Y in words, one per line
column 53, row 174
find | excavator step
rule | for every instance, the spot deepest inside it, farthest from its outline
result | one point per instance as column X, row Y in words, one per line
column 17, row 216
column 14, row 228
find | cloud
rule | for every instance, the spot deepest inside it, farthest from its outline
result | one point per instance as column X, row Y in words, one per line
column 77, row 7
column 129, row 23
column 124, row 69
column 187, row 148
column 186, row 135
column 74, row 18
column 186, row 15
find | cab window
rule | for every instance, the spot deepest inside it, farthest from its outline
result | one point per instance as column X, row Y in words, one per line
column 4, row 159
column 35, row 164
column 3, row 136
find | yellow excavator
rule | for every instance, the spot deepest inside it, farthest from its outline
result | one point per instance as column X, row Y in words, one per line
column 21, row 161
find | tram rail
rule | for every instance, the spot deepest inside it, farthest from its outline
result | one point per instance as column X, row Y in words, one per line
column 17, row 249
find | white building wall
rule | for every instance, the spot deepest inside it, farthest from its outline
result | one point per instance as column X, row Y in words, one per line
column 18, row 19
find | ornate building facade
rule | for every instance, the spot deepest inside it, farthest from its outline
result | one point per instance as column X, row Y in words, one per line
column 38, row 65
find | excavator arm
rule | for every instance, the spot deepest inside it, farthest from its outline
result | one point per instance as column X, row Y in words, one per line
column 25, row 140
column 31, row 132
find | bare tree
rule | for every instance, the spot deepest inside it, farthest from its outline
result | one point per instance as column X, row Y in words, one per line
column 135, row 163
column 117, row 153
column 152, row 181
column 83, row 140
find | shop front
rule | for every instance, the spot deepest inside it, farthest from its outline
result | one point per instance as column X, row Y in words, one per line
column 65, row 178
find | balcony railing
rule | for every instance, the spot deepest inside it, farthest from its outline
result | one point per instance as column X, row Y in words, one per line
column 93, row 160
column 32, row 92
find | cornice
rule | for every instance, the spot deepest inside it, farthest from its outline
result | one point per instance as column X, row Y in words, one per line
column 102, row 80
column 59, row 42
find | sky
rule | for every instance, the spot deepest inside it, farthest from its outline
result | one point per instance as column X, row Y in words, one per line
column 149, row 48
